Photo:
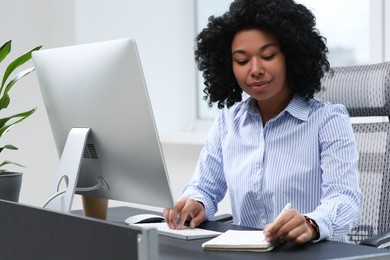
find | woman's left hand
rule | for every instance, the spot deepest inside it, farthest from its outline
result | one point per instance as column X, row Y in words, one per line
column 291, row 225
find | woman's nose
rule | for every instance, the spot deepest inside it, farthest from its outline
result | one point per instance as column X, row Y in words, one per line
column 256, row 68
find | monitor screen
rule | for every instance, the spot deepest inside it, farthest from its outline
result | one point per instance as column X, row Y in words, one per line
column 100, row 89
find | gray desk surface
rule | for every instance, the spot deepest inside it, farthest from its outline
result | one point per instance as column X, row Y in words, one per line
column 172, row 248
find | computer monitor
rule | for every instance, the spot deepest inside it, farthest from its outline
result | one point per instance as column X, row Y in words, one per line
column 103, row 126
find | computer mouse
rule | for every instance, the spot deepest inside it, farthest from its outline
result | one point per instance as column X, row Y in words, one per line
column 144, row 218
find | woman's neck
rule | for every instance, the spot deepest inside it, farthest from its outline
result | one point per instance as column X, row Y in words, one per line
column 270, row 108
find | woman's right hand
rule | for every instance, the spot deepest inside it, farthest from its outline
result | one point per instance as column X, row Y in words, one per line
column 185, row 209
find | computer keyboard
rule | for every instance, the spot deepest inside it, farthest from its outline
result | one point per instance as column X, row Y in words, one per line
column 186, row 233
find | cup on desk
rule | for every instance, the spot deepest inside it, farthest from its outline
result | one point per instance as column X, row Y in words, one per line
column 95, row 207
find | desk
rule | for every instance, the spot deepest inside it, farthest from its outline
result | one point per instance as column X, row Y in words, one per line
column 53, row 235
column 172, row 248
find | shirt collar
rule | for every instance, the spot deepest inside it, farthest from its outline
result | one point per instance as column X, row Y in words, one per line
column 298, row 108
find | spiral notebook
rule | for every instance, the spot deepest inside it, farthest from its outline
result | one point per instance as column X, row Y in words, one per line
column 240, row 240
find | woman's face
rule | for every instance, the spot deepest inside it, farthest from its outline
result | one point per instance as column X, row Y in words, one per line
column 259, row 66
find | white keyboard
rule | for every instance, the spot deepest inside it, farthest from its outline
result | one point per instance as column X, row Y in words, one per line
column 186, row 233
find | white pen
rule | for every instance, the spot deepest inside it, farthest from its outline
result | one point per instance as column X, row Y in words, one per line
column 288, row 206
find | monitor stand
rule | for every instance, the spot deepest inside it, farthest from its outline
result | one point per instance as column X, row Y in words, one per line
column 68, row 171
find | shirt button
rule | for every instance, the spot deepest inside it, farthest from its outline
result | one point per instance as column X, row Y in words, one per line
column 258, row 198
column 264, row 221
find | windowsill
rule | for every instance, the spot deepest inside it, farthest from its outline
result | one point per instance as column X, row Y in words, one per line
column 183, row 138
column 369, row 119
column 195, row 134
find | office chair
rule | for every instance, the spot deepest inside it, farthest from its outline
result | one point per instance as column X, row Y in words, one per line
column 365, row 91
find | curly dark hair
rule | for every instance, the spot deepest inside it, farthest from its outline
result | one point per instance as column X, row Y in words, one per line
column 292, row 24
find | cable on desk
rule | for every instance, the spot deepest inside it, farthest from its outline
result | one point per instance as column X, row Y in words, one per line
column 101, row 184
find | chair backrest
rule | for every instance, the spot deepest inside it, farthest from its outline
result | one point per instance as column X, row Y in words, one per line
column 365, row 91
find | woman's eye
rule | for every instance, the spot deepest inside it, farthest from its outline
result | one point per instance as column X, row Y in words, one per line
column 241, row 62
column 268, row 57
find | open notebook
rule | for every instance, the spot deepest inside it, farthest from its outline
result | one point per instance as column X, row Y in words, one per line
column 240, row 240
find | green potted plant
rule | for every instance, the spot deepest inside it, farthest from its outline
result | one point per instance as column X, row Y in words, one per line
column 10, row 182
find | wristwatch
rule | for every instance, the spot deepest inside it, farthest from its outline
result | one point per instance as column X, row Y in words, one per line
column 314, row 225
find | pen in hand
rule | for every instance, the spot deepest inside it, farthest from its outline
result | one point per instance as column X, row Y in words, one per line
column 266, row 230
column 288, row 206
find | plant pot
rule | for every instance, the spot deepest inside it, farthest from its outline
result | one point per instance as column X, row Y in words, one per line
column 10, row 184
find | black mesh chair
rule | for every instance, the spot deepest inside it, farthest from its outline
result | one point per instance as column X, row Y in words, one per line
column 365, row 91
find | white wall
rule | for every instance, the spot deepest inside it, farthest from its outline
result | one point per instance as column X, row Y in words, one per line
column 29, row 24
column 164, row 32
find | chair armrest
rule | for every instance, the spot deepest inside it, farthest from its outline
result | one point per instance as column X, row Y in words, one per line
column 380, row 241
column 226, row 218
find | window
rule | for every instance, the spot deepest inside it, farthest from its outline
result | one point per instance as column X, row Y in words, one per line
column 204, row 9
column 354, row 29
column 346, row 29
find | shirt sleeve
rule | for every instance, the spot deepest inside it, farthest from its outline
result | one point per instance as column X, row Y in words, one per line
column 341, row 198
column 208, row 183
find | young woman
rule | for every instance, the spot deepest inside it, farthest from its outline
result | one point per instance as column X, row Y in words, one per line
column 280, row 145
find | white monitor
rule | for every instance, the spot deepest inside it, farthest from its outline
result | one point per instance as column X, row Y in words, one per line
column 102, row 122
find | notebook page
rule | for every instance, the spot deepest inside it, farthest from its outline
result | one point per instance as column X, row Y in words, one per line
column 242, row 240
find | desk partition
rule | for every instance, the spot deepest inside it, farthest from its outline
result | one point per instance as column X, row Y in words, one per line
column 33, row 233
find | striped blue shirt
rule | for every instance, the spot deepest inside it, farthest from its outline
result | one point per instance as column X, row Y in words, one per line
column 306, row 155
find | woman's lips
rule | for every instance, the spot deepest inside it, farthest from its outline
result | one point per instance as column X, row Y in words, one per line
column 259, row 86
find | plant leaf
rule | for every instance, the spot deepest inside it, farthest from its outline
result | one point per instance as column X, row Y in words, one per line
column 5, row 100
column 21, row 116
column 9, row 147
column 9, row 162
column 5, row 50
column 15, row 64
